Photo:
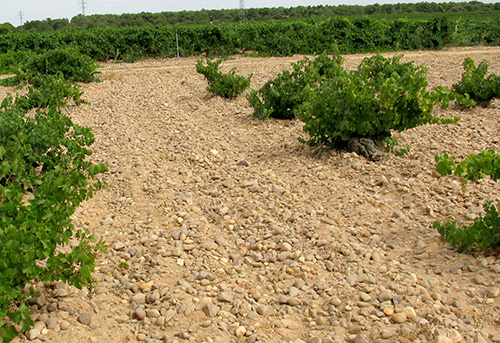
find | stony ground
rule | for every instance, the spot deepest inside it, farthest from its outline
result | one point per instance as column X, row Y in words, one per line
column 236, row 232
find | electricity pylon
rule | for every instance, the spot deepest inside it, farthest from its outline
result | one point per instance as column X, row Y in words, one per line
column 242, row 10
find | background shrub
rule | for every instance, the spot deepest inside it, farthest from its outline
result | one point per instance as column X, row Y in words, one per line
column 476, row 85
column 226, row 85
column 70, row 63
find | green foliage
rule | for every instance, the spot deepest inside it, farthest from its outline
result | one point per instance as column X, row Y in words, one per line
column 69, row 62
column 476, row 86
column 49, row 90
column 485, row 232
column 473, row 167
column 381, row 96
column 281, row 97
column 269, row 38
column 421, row 10
column 6, row 28
column 311, row 36
column 47, row 78
column 392, row 145
column 226, row 85
column 123, row 265
column 44, row 175
column 421, row 34
column 10, row 61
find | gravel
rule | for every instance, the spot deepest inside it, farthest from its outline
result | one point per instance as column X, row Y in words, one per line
column 233, row 231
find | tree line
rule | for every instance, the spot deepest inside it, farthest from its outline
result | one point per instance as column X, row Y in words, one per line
column 252, row 14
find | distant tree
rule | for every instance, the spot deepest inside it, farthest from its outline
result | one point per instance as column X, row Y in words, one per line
column 372, row 9
column 6, row 28
column 457, row 8
column 59, row 24
column 387, row 8
column 37, row 25
column 252, row 14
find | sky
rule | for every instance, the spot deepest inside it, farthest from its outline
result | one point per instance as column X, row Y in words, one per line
column 14, row 10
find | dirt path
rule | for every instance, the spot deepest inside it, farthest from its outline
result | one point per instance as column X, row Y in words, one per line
column 236, row 232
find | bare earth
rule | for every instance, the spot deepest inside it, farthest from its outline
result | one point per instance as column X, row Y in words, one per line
column 234, row 231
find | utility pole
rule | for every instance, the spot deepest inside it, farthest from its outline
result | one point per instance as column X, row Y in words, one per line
column 83, row 6
column 242, row 10
column 21, row 17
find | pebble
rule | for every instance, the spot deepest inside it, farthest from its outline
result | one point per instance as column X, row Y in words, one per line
column 169, row 315
column 139, row 298
column 61, row 293
column 336, row 302
column 385, row 296
column 314, row 339
column 480, row 280
column 442, row 339
column 211, row 310
column 365, row 297
column 294, row 301
column 33, row 334
column 478, row 338
column 65, row 325
column 265, row 310
column 410, row 312
column 388, row 311
column 399, row 317
column 146, row 285
column 494, row 292
column 51, row 322
column 140, row 313
column 359, row 339
column 85, row 318
column 153, row 313
column 225, row 297
column 240, row 331
column 286, row 246
column 160, row 321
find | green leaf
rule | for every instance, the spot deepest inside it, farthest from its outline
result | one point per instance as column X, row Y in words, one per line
column 123, row 265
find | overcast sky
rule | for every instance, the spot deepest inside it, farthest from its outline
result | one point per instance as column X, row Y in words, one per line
column 12, row 10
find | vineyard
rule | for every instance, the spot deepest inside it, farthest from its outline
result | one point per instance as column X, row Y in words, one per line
column 272, row 38
column 220, row 225
column 263, row 196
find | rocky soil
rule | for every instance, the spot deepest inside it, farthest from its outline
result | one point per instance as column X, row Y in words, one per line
column 234, row 231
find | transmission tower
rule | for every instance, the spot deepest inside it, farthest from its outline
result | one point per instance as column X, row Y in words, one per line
column 21, row 17
column 83, row 6
column 242, row 10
